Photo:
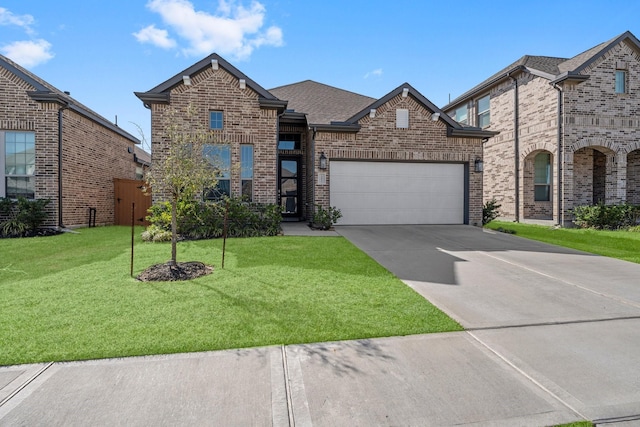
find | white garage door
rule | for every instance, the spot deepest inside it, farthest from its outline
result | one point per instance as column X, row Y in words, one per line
column 397, row 193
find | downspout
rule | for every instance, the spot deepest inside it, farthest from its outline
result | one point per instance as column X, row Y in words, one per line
column 60, row 110
column 560, row 155
column 313, row 172
column 516, row 146
column 277, row 171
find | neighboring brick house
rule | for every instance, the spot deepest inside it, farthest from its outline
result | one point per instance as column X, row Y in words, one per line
column 51, row 146
column 395, row 160
column 583, row 110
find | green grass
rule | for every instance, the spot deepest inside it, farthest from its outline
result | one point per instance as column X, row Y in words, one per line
column 70, row 297
column 624, row 245
column 576, row 424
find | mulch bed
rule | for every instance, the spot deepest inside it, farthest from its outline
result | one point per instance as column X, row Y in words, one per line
column 40, row 232
column 169, row 272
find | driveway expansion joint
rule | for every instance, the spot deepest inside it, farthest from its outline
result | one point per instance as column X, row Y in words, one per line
column 26, row 383
column 556, row 323
column 528, row 377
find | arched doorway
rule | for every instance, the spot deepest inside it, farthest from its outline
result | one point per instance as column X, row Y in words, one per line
column 592, row 175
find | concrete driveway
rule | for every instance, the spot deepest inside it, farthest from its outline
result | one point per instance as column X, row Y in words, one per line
column 553, row 336
column 567, row 320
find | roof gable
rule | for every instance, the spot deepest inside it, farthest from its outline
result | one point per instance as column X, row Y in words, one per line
column 45, row 92
column 551, row 68
column 581, row 61
column 161, row 92
column 411, row 91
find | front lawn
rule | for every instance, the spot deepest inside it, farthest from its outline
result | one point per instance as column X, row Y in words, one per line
column 70, row 297
column 624, row 245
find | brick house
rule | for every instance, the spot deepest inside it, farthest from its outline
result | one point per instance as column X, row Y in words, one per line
column 569, row 130
column 51, row 146
column 394, row 160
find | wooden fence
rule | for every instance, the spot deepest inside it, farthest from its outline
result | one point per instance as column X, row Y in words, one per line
column 127, row 192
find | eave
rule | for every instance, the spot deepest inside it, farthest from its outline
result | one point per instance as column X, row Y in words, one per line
column 48, row 96
column 149, row 98
column 336, row 127
column 471, row 133
column 272, row 103
column 569, row 77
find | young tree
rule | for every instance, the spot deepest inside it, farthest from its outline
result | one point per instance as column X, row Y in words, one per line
column 182, row 171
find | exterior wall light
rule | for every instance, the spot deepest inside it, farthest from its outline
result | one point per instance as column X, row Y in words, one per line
column 323, row 161
column 478, row 165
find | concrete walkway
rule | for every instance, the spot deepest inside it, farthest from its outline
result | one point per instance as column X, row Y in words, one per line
column 553, row 337
column 303, row 229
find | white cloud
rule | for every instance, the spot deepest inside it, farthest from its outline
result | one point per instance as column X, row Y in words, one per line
column 28, row 53
column 233, row 30
column 155, row 36
column 375, row 73
column 24, row 21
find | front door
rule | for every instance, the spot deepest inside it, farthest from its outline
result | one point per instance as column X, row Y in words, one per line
column 289, row 188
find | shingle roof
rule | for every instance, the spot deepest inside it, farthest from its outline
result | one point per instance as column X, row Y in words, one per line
column 321, row 103
column 543, row 64
column 44, row 90
column 546, row 66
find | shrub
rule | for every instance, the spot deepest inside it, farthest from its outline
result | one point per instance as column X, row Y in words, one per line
column 153, row 233
column 24, row 217
column 205, row 220
column 606, row 217
column 325, row 218
column 490, row 211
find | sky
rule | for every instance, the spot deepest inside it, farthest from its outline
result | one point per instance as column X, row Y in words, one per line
column 102, row 52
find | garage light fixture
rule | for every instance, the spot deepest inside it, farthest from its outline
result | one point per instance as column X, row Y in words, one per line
column 478, row 165
column 323, row 161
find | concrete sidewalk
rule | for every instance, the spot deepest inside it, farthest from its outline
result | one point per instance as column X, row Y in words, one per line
column 440, row 379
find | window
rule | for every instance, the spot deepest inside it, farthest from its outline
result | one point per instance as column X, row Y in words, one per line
column 215, row 120
column 484, row 116
column 18, row 161
column 289, row 141
column 542, row 177
column 246, row 171
column 461, row 115
column 402, row 118
column 220, row 158
column 621, row 81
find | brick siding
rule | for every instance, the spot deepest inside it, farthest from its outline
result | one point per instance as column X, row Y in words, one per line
column 424, row 141
column 92, row 154
column 594, row 118
column 245, row 122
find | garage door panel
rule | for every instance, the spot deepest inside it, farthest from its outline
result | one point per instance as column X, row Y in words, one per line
column 397, row 193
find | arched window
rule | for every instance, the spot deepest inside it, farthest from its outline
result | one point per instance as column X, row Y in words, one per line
column 542, row 178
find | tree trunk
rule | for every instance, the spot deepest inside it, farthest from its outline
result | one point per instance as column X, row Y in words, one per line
column 174, row 229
